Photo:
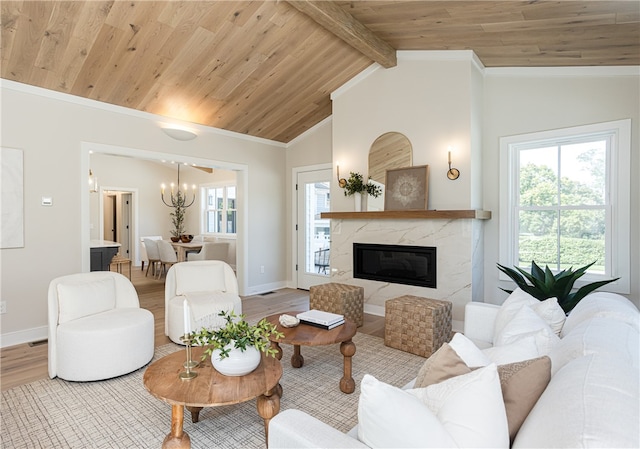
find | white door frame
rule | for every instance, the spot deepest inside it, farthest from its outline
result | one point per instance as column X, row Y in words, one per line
column 294, row 214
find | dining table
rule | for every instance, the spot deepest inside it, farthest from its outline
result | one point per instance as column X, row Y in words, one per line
column 183, row 248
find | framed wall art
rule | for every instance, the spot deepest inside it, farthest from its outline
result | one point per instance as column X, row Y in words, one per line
column 407, row 188
column 12, row 235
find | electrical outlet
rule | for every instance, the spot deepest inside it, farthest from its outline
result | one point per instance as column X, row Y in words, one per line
column 261, row 269
column 3, row 307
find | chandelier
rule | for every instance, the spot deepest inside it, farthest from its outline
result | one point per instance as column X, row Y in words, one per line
column 178, row 198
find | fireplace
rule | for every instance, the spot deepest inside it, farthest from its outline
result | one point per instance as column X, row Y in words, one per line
column 399, row 264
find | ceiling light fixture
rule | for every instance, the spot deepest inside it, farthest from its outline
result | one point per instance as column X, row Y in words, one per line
column 179, row 133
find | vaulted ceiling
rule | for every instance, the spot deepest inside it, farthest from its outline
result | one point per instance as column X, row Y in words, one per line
column 267, row 68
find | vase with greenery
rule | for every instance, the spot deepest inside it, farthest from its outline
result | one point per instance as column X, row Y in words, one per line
column 545, row 284
column 356, row 184
column 236, row 335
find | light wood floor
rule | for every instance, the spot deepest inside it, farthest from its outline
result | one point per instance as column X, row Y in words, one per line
column 25, row 363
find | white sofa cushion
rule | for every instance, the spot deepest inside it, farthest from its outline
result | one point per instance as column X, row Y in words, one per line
column 80, row 298
column 591, row 402
column 199, row 278
column 601, row 334
column 391, row 417
column 602, row 304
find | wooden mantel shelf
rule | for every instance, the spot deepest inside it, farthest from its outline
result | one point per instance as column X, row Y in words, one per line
column 409, row 214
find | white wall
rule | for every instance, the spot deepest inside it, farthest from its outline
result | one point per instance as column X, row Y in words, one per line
column 519, row 101
column 428, row 97
column 53, row 131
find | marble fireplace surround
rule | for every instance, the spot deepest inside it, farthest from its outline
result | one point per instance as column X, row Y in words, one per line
column 457, row 235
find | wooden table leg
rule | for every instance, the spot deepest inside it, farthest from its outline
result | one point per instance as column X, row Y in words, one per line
column 178, row 438
column 296, row 359
column 195, row 413
column 268, row 407
column 347, row 384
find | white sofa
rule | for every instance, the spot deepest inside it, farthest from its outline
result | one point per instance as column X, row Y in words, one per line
column 97, row 329
column 592, row 399
column 208, row 286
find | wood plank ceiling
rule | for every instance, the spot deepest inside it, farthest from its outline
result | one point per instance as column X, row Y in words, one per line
column 267, row 68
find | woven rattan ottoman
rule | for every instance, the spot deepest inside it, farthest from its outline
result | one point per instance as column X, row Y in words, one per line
column 343, row 299
column 417, row 325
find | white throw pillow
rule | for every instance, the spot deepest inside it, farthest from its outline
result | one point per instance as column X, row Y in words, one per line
column 391, row 417
column 468, row 351
column 519, row 350
column 470, row 407
column 79, row 299
column 528, row 324
column 199, row 278
column 551, row 312
column 516, row 300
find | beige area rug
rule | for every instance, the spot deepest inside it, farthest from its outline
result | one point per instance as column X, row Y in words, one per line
column 119, row 413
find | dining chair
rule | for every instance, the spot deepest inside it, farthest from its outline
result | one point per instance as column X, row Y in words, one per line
column 153, row 255
column 168, row 256
column 144, row 258
column 211, row 251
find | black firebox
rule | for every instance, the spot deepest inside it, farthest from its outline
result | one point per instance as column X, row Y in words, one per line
column 399, row 264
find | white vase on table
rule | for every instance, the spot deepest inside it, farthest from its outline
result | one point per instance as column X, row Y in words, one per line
column 238, row 363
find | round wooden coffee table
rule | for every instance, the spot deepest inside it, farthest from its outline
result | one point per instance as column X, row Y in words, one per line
column 210, row 389
column 306, row 335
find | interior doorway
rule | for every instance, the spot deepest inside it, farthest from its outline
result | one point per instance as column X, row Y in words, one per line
column 117, row 221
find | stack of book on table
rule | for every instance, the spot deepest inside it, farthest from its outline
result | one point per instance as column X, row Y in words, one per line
column 319, row 318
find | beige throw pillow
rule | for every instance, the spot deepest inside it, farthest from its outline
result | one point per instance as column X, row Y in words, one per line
column 442, row 365
column 522, row 383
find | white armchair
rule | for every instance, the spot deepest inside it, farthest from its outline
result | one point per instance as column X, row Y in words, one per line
column 97, row 329
column 210, row 286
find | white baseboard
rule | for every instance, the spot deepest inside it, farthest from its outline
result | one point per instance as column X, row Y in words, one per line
column 24, row 336
column 259, row 289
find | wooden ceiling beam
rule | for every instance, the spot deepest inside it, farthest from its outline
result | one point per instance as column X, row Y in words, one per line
column 343, row 25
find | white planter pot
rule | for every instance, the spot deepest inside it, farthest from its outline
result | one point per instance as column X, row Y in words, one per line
column 238, row 363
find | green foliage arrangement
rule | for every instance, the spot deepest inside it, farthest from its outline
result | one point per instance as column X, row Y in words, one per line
column 178, row 214
column 545, row 284
column 356, row 184
column 240, row 332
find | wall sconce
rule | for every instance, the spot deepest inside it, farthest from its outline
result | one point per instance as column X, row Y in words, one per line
column 452, row 173
column 93, row 182
column 341, row 181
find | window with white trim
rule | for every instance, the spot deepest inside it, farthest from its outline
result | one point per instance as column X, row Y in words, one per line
column 565, row 198
column 219, row 209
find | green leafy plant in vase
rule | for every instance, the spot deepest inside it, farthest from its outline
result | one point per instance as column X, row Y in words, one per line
column 356, row 184
column 236, row 340
column 543, row 284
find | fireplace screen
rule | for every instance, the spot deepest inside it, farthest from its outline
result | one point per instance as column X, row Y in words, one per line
column 399, row 264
